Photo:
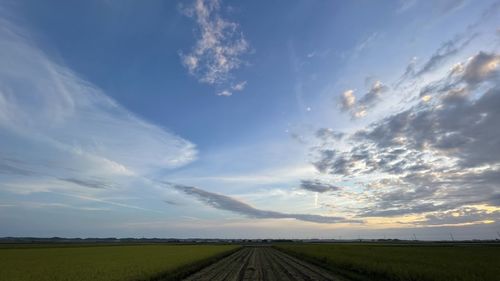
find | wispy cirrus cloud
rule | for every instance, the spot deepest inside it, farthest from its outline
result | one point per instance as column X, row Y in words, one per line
column 53, row 124
column 218, row 49
column 446, row 51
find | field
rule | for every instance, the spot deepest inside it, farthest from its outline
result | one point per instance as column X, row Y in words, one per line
column 262, row 263
column 103, row 262
column 430, row 262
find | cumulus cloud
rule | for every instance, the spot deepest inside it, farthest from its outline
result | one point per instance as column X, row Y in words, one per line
column 481, row 67
column 318, row 186
column 464, row 215
column 227, row 203
column 359, row 108
column 347, row 100
column 437, row 156
column 220, row 45
column 234, row 88
column 373, row 95
column 225, row 93
column 54, row 124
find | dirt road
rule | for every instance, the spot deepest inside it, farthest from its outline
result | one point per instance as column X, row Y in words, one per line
column 261, row 263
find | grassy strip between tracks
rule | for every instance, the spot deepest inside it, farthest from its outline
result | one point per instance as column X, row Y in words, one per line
column 137, row 262
column 363, row 262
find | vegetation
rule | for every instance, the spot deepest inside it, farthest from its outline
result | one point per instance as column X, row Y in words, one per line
column 130, row 262
column 404, row 262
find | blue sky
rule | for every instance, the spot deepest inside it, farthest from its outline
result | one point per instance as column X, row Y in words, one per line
column 210, row 118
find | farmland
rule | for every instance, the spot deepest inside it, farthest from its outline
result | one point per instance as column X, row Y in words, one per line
column 262, row 263
column 256, row 261
column 103, row 262
column 427, row 262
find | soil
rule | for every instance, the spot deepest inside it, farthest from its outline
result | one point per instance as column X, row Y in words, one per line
column 262, row 263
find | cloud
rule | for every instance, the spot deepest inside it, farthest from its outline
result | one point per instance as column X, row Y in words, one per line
column 438, row 155
column 347, row 100
column 220, row 45
column 170, row 202
column 239, row 86
column 13, row 168
column 225, row 93
column 405, row 5
column 317, row 186
column 87, row 183
column 359, row 108
column 366, row 43
column 466, row 215
column 447, row 50
column 234, row 88
column 448, row 6
column 54, row 124
column 41, row 205
column 481, row 67
column 327, row 134
column 227, row 203
column 373, row 95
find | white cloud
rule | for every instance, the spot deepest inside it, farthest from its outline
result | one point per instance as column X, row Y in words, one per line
column 219, row 47
column 348, row 100
column 239, row 86
column 225, row 93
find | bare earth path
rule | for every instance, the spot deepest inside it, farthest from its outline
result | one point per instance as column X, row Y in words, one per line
column 261, row 263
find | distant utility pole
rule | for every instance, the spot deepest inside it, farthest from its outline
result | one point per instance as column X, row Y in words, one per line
column 414, row 237
column 451, row 235
column 498, row 233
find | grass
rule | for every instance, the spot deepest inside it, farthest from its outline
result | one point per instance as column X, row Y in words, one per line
column 130, row 262
column 404, row 262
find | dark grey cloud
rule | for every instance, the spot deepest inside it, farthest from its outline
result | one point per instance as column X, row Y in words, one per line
column 460, row 216
column 373, row 95
column 327, row 134
column 227, row 203
column 318, row 186
column 482, row 67
column 446, row 51
column 326, row 156
column 440, row 154
column 88, row 183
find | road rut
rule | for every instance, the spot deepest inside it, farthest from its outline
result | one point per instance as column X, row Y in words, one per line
column 261, row 263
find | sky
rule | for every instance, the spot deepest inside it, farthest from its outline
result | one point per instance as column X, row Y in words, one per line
column 250, row 119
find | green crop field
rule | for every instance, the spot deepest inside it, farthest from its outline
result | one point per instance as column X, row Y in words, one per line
column 404, row 262
column 127, row 262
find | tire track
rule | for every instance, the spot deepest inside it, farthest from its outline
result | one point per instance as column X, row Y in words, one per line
column 261, row 263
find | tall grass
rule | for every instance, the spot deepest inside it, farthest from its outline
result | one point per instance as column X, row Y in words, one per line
column 137, row 262
column 405, row 262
